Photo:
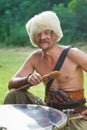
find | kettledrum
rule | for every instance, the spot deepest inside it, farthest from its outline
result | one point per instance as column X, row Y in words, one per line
column 31, row 117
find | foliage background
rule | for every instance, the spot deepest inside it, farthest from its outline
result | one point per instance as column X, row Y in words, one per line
column 14, row 14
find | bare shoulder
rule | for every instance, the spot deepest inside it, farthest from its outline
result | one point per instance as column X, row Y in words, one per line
column 78, row 57
column 76, row 52
column 35, row 53
column 34, row 57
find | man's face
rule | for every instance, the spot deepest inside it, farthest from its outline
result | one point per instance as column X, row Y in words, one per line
column 45, row 39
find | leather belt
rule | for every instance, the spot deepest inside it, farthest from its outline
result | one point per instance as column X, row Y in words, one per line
column 66, row 105
column 74, row 99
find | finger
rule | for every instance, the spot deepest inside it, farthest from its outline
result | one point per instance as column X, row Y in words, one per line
column 39, row 77
column 85, row 118
column 84, row 113
column 35, row 79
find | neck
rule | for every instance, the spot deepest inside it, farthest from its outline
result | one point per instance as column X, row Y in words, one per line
column 51, row 53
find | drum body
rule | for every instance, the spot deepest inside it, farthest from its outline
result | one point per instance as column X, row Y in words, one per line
column 30, row 117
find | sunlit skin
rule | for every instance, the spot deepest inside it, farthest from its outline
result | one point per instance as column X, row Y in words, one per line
column 43, row 61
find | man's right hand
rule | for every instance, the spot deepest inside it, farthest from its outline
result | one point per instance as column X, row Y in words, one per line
column 34, row 79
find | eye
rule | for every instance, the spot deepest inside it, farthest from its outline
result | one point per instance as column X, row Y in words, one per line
column 47, row 32
column 37, row 36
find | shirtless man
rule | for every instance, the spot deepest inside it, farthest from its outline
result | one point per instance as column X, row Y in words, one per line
column 45, row 31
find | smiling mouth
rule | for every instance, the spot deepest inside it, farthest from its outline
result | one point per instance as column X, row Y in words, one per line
column 43, row 43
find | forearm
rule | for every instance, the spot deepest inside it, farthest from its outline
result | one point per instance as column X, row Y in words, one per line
column 18, row 83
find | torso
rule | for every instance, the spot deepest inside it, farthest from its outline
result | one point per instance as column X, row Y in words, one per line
column 71, row 75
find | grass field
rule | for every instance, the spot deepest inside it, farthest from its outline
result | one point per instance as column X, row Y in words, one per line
column 10, row 61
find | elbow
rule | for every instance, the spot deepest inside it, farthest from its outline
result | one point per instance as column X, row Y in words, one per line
column 10, row 85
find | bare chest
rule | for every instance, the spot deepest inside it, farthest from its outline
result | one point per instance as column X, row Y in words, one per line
column 66, row 70
column 70, row 75
column 45, row 67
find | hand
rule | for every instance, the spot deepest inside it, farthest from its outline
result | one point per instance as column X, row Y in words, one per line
column 84, row 113
column 35, row 79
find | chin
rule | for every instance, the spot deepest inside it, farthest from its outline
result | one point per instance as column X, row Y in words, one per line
column 44, row 46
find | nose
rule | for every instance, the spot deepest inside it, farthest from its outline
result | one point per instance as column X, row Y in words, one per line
column 42, row 36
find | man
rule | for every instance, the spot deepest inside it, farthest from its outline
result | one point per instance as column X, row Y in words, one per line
column 45, row 31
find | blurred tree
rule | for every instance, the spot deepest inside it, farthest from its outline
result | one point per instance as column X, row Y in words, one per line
column 15, row 13
column 79, row 8
column 73, row 20
column 68, row 23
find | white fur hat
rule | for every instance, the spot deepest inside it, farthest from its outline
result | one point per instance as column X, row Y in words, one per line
column 46, row 20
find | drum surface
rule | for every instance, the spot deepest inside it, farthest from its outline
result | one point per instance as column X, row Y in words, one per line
column 30, row 117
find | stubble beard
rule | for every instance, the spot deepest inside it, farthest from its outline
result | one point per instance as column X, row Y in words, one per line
column 47, row 44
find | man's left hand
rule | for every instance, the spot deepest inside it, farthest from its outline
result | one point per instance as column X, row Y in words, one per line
column 84, row 113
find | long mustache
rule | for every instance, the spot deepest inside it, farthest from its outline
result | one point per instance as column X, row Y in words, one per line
column 44, row 40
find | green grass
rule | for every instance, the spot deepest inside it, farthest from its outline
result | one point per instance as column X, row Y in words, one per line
column 10, row 62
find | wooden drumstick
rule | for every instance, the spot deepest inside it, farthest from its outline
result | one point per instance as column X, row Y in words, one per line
column 52, row 75
column 76, row 117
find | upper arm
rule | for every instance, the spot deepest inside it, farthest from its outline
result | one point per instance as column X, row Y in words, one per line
column 79, row 57
column 26, row 68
